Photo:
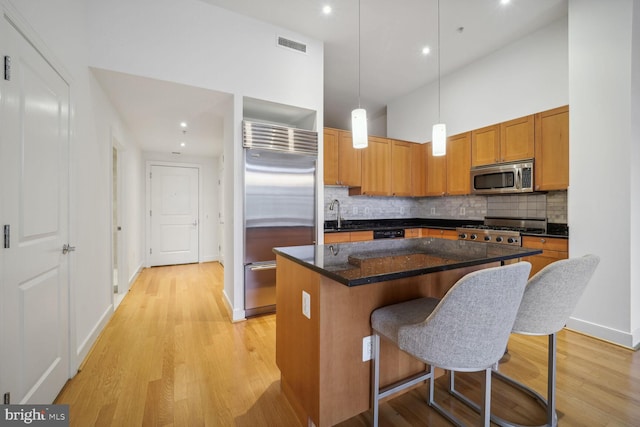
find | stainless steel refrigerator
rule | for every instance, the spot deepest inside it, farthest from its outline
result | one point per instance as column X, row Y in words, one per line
column 279, row 204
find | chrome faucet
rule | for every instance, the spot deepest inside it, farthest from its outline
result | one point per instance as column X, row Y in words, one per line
column 333, row 203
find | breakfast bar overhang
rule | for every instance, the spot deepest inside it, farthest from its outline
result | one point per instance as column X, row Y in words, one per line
column 324, row 298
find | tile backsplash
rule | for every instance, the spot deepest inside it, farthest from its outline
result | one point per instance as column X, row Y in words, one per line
column 552, row 205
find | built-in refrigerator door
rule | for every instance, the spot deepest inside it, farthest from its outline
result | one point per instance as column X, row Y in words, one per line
column 279, row 202
column 259, row 288
column 279, row 211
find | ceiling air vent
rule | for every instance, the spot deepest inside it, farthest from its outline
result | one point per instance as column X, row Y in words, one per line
column 292, row 44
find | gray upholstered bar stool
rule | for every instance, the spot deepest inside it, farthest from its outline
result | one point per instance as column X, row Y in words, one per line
column 466, row 330
column 549, row 299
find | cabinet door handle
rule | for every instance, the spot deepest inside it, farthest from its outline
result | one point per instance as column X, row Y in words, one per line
column 543, row 241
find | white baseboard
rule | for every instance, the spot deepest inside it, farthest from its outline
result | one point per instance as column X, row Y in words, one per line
column 211, row 258
column 135, row 274
column 237, row 315
column 85, row 347
column 622, row 338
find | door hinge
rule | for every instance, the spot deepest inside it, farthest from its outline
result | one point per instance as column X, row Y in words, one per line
column 7, row 398
column 150, row 251
column 149, row 175
column 7, row 67
column 7, row 236
column 150, row 212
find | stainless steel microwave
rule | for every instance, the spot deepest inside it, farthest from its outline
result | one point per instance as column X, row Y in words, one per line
column 503, row 178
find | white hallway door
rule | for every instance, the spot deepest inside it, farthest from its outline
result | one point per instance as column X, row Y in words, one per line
column 34, row 211
column 173, row 215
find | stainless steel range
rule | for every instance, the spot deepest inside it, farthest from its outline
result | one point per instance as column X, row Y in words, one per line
column 502, row 230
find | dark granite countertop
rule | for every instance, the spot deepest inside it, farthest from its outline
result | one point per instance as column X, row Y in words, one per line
column 361, row 263
column 553, row 229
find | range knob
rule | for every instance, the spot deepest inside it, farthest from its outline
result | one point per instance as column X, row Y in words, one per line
column 511, row 240
column 499, row 239
column 487, row 238
column 474, row 237
column 462, row 236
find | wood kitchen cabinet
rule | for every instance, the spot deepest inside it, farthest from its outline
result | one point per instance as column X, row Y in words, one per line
column 436, row 173
column 449, row 174
column 348, row 236
column 440, row 233
column 485, row 145
column 342, row 162
column 401, row 168
column 411, row 233
column 376, row 167
column 551, row 167
column 503, row 142
column 553, row 249
column 459, row 164
column 419, row 170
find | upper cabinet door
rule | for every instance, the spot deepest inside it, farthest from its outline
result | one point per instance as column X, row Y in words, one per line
column 401, row 168
column 517, row 139
column 418, row 170
column 376, row 167
column 485, row 146
column 349, row 161
column 436, row 173
column 458, row 164
column 330, row 151
column 552, row 150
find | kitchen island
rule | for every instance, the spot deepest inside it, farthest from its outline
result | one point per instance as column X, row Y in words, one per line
column 324, row 297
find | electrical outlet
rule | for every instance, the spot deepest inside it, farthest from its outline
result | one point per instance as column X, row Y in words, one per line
column 367, row 348
column 433, row 211
column 306, row 305
column 355, row 210
column 401, row 210
column 462, row 211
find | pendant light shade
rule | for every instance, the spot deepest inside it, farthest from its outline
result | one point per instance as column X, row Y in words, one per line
column 439, row 140
column 359, row 132
column 359, row 128
column 439, row 132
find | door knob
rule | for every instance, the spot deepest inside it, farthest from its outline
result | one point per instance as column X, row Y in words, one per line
column 195, row 223
column 66, row 248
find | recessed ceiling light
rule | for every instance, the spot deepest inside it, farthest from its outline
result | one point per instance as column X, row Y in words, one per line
column 326, row 9
column 182, row 144
column 503, row 2
column 183, row 124
column 426, row 50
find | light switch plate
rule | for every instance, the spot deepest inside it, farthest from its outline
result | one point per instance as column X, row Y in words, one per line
column 306, row 305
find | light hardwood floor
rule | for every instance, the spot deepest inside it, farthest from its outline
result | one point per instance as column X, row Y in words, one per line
column 171, row 356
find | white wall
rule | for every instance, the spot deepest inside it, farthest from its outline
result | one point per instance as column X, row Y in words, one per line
column 604, row 155
column 62, row 26
column 525, row 77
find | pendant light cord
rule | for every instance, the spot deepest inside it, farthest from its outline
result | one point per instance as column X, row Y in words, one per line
column 439, row 119
column 359, row 106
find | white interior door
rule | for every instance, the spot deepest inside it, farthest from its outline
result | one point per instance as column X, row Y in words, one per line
column 34, row 170
column 173, row 215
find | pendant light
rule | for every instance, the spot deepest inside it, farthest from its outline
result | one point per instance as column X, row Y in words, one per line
column 359, row 115
column 439, row 132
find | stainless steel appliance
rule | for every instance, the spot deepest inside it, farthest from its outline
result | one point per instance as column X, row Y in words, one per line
column 503, row 178
column 503, row 230
column 388, row 234
column 279, row 204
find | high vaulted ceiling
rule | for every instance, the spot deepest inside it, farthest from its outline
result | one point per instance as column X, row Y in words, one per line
column 392, row 35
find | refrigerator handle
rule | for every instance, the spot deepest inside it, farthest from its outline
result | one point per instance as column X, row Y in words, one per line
column 263, row 267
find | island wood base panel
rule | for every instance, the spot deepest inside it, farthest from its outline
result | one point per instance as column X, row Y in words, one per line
column 320, row 358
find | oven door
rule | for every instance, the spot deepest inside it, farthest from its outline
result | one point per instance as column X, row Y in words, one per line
column 501, row 179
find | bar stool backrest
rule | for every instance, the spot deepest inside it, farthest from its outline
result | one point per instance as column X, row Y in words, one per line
column 552, row 295
column 470, row 327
